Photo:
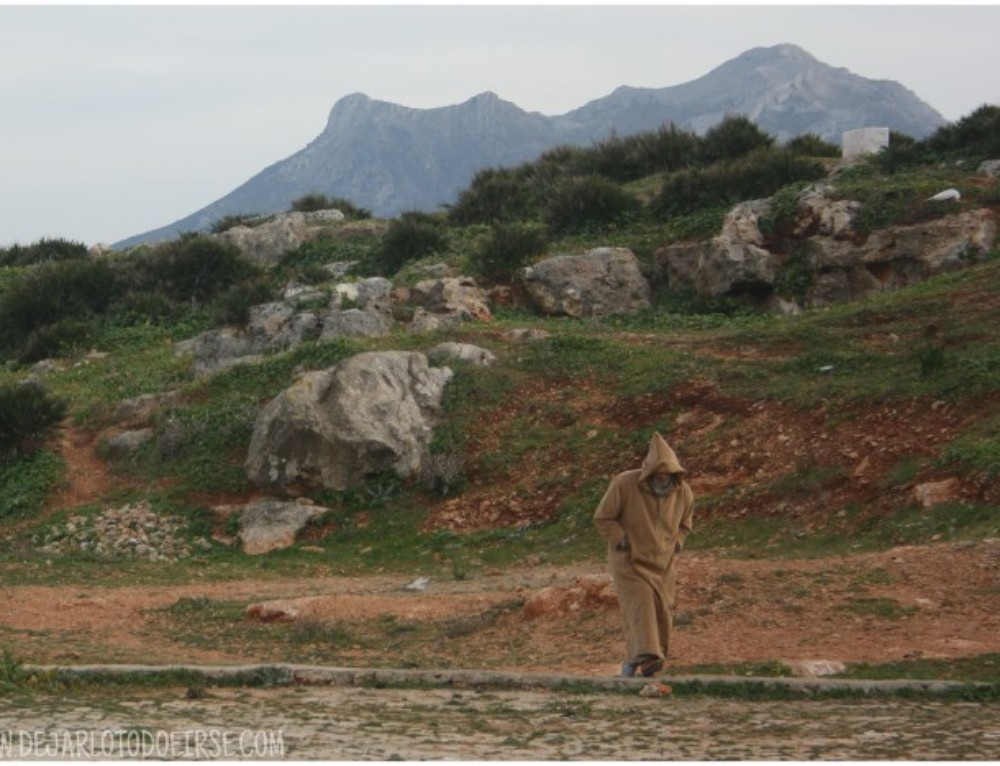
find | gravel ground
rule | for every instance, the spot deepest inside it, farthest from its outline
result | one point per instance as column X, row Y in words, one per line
column 344, row 722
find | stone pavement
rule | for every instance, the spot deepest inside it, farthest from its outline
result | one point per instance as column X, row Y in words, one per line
column 347, row 714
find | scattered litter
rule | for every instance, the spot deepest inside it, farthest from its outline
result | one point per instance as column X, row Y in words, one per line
column 946, row 195
column 419, row 584
column 655, row 690
column 826, row 368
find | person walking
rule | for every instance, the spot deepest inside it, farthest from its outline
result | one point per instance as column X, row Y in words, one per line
column 645, row 516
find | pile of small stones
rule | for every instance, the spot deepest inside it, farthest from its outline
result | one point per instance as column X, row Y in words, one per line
column 132, row 531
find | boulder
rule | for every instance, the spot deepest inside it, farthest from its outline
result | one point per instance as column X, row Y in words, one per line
column 141, row 409
column 371, row 413
column 355, row 323
column 462, row 352
column 723, row 265
column 456, row 297
column 269, row 524
column 217, row 350
column 277, row 326
column 989, row 168
column 372, row 294
column 128, row 442
column 601, row 282
column 267, row 242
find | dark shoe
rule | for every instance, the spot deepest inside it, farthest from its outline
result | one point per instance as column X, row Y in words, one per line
column 628, row 670
column 650, row 666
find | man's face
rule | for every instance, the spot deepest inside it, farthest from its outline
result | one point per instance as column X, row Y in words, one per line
column 662, row 476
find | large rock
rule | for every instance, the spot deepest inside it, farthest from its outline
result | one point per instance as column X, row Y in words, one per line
column 277, row 326
column 839, row 263
column 603, row 281
column 461, row 352
column 269, row 524
column 266, row 243
column 895, row 257
column 355, row 323
column 371, row 413
column 457, row 297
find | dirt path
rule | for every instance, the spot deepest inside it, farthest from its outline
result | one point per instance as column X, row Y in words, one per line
column 911, row 602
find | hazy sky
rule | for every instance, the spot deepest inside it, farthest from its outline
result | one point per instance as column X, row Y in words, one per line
column 120, row 119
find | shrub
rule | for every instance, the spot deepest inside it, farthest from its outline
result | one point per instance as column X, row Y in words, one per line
column 239, row 219
column 640, row 155
column 28, row 415
column 793, row 278
column 977, row 134
column 903, row 151
column 51, row 292
column 736, row 136
column 494, row 196
column 587, row 203
column 811, row 145
column 312, row 202
column 410, row 237
column 192, row 268
column 57, row 339
column 232, row 306
column 759, row 174
column 42, row 251
column 509, row 247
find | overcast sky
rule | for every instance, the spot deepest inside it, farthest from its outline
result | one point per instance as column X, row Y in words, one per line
column 120, row 119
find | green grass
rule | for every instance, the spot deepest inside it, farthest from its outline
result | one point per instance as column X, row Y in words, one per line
column 26, row 482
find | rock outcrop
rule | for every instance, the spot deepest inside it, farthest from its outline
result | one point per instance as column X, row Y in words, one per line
column 371, row 413
column 834, row 261
column 266, row 243
column 601, row 282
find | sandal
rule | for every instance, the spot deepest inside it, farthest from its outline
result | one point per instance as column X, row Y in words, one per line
column 650, row 666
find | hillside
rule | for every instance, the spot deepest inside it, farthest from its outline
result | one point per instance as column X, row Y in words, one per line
column 845, row 458
column 390, row 158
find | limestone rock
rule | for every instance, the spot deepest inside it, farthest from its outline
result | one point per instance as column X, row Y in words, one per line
column 601, row 282
column 268, row 525
column 462, row 352
column 372, row 412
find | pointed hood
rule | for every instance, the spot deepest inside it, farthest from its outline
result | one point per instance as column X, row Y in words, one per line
column 659, row 457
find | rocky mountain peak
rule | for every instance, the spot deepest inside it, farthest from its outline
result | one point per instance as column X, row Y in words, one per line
column 391, row 158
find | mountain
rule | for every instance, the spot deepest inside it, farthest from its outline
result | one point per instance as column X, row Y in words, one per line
column 391, row 158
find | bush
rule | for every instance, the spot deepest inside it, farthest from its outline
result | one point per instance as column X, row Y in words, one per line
column 409, row 237
column 310, row 203
column 28, row 415
column 232, row 306
column 50, row 293
column 509, row 247
column 976, row 135
column 228, row 222
column 192, row 269
column 757, row 175
column 42, row 251
column 494, row 196
column 589, row 203
column 633, row 157
column 53, row 340
column 734, row 137
column 811, row 145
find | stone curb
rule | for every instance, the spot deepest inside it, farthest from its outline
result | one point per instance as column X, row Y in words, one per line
column 283, row 674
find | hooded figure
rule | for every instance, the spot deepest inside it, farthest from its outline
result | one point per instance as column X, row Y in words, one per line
column 644, row 516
